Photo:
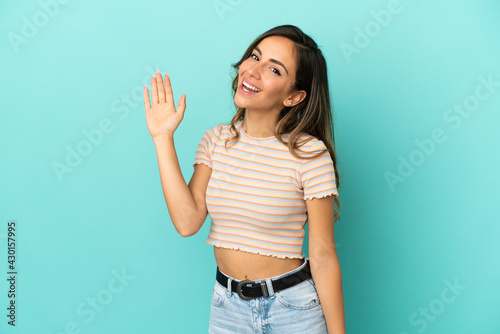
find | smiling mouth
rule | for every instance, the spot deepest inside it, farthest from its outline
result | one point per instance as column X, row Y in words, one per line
column 249, row 88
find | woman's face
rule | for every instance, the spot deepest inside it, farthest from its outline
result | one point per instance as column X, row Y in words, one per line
column 270, row 70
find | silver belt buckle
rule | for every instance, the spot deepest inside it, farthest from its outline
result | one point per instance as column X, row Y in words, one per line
column 242, row 296
column 238, row 290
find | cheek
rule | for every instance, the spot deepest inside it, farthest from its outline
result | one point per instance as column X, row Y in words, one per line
column 244, row 66
column 275, row 87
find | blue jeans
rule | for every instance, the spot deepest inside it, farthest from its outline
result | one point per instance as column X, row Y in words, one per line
column 293, row 310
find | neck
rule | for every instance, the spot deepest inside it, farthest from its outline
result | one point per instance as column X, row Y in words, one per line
column 258, row 124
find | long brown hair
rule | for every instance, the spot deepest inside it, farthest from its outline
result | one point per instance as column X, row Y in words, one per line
column 314, row 114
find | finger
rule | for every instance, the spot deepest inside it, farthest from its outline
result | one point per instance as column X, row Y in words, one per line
column 147, row 102
column 181, row 107
column 161, row 90
column 154, row 90
column 168, row 89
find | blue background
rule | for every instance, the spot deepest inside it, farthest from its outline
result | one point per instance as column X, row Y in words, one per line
column 400, row 246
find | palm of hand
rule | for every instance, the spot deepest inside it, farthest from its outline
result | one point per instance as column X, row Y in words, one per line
column 161, row 116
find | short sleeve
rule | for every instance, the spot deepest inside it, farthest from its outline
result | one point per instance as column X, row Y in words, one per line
column 317, row 175
column 205, row 149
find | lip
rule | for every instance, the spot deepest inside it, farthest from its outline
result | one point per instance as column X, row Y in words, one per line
column 250, row 83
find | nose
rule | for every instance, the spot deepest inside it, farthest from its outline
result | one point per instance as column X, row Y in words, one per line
column 255, row 70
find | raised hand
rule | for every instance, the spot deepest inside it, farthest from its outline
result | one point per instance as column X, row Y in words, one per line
column 161, row 116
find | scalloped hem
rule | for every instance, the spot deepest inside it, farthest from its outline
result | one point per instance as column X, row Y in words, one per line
column 322, row 196
column 202, row 162
column 255, row 252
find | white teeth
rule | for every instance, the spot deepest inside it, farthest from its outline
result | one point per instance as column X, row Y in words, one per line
column 250, row 87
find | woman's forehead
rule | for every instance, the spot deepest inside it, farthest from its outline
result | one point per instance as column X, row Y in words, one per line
column 279, row 48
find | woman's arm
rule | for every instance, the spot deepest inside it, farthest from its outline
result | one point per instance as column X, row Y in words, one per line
column 325, row 266
column 186, row 204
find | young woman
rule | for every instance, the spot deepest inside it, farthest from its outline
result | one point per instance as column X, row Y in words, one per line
column 260, row 178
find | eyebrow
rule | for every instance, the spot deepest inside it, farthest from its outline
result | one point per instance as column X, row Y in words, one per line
column 272, row 60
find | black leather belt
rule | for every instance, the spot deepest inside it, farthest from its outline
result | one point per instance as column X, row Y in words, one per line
column 247, row 289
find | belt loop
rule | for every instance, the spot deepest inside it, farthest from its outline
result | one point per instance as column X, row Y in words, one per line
column 270, row 289
column 228, row 290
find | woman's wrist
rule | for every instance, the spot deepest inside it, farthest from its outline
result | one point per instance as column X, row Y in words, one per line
column 163, row 138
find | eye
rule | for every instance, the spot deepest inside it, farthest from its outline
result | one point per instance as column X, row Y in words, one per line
column 274, row 69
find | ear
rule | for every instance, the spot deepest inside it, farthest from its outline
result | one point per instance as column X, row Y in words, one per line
column 294, row 99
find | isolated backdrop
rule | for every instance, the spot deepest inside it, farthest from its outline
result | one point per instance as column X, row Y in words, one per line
column 416, row 93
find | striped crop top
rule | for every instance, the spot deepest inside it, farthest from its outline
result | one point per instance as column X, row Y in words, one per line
column 256, row 194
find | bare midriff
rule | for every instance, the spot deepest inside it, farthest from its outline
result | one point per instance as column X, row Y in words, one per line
column 237, row 264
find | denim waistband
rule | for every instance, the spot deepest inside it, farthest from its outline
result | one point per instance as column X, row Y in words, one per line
column 267, row 280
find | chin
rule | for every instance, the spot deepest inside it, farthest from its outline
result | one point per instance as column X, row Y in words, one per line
column 238, row 103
